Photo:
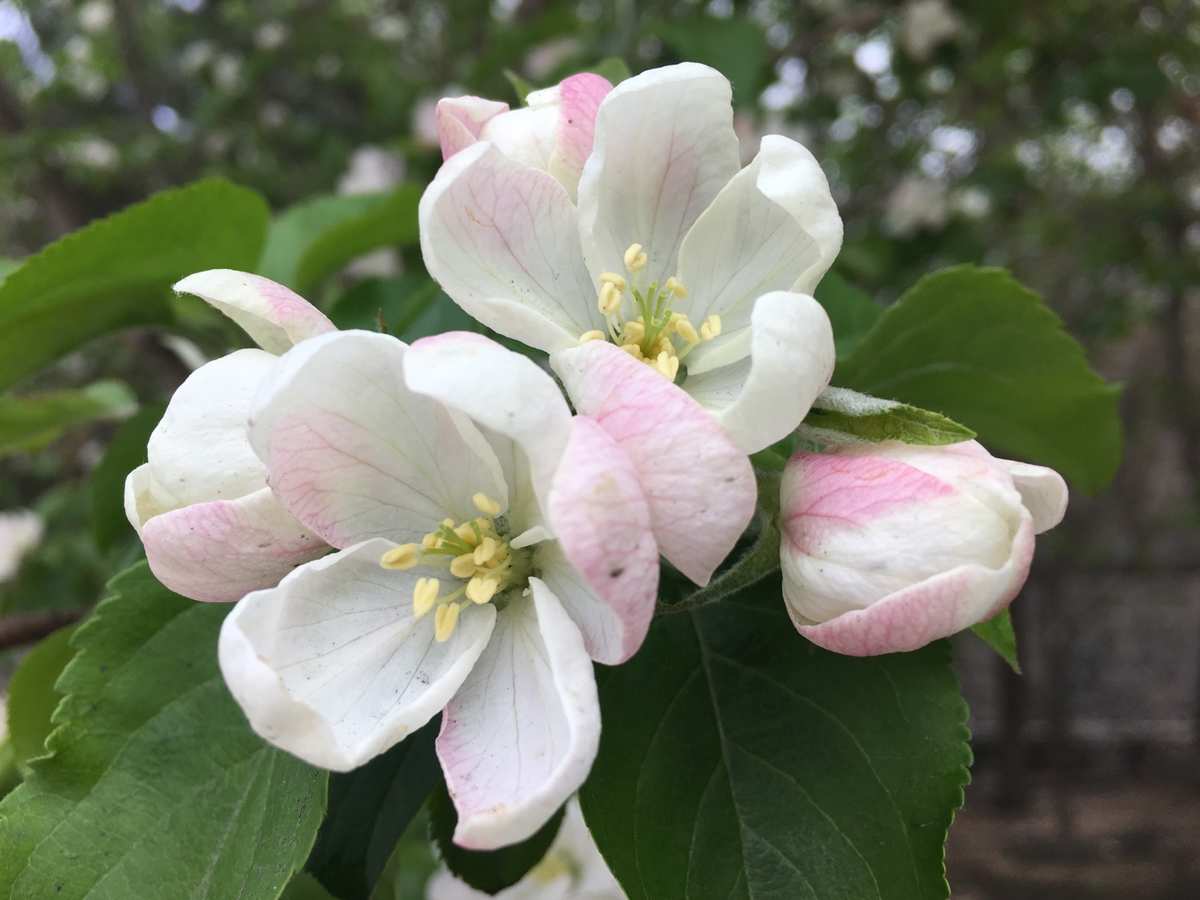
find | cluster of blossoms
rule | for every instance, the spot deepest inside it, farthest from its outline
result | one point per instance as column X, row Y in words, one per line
column 424, row 529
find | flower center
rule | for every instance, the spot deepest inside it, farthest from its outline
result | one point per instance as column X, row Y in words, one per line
column 477, row 554
column 653, row 333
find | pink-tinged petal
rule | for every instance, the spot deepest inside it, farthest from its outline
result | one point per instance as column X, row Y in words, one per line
column 938, row 607
column 495, row 234
column 221, row 550
column 580, row 97
column 503, row 391
column 144, row 497
column 1043, row 492
column 461, row 119
column 354, row 454
column 274, row 316
column 791, row 361
column 331, row 665
column 664, row 147
column 602, row 521
column 520, row 736
column 700, row 486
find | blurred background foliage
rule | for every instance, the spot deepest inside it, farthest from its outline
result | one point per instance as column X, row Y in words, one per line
column 1058, row 139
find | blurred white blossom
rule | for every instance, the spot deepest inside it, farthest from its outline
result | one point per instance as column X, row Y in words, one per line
column 372, row 170
column 914, row 204
column 925, row 25
column 95, row 16
column 20, row 532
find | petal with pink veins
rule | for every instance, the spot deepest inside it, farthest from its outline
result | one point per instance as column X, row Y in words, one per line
column 221, row 550
column 276, row 317
column 461, row 119
column 699, row 485
column 520, row 736
column 331, row 665
column 606, row 573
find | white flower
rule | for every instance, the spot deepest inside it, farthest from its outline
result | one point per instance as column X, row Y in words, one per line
column 890, row 546
column 489, row 544
column 926, row 24
column 211, row 528
column 572, row 869
column 699, row 270
column 914, row 204
column 20, row 532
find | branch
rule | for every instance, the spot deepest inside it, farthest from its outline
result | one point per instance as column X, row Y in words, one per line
column 26, row 628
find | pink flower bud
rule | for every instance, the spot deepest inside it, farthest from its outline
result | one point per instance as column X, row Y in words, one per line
column 887, row 547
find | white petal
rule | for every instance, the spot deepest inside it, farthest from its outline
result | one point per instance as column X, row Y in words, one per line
column 144, row 497
column 200, row 451
column 498, row 235
column 1043, row 492
column 354, row 454
column 520, row 736
column 664, row 147
column 500, row 390
column 332, row 667
column 774, row 227
column 274, row 316
column 791, row 362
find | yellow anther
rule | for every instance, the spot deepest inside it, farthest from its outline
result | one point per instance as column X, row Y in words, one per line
column 675, row 286
column 633, row 350
column 667, row 364
column 617, row 281
column 711, row 327
column 430, row 541
column 466, row 534
column 685, row 330
column 463, row 566
column 481, row 589
column 444, row 621
column 610, row 299
column 633, row 332
column 403, row 557
column 594, row 335
column 486, row 504
column 635, row 258
column 485, row 551
column 425, row 595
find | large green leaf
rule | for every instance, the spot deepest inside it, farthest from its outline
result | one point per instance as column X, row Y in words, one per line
column 738, row 760
column 155, row 785
column 851, row 311
column 118, row 271
column 974, row 344
column 32, row 696
column 369, row 810
column 313, row 240
column 34, row 420
column 737, row 47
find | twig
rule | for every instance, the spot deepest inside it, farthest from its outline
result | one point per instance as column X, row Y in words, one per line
column 25, row 628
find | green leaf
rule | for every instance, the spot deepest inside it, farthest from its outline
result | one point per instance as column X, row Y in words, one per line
column 317, row 238
column 738, row 760
column 522, row 87
column 304, row 887
column 974, row 344
column 31, row 421
column 613, row 68
column 32, row 697
column 117, row 271
column 868, row 418
column 154, row 780
column 399, row 302
column 126, row 451
column 851, row 311
column 488, row 871
column 369, row 810
column 997, row 632
column 6, row 266
column 736, row 47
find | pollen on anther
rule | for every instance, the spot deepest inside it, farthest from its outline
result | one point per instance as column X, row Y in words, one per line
column 486, row 504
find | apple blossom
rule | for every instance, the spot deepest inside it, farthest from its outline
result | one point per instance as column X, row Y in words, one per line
column 572, row 869
column 700, row 271
column 211, row 527
column 889, row 546
column 20, row 532
column 489, row 543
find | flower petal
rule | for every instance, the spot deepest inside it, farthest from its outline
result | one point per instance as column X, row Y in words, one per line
column 144, row 497
column 700, row 486
column 498, row 389
column 579, row 98
column 938, row 607
column 520, row 736
column 791, row 361
column 498, row 235
column 274, row 316
column 354, row 454
column 1043, row 492
column 221, row 550
column 200, row 450
column 331, row 665
column 602, row 521
column 461, row 119
column 774, row 227
column 664, row 147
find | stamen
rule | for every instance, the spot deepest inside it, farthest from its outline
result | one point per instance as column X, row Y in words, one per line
column 425, row 595
column 610, row 299
column 485, row 551
column 617, row 281
column 675, row 286
column 593, row 335
column 444, row 621
column 468, row 533
column 633, row 350
column 400, row 558
column 634, row 332
column 480, row 589
column 463, row 566
column 635, row 258
column 685, row 329
column 711, row 327
column 485, row 505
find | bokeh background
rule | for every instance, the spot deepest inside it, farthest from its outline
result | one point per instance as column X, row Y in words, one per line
column 1058, row 139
